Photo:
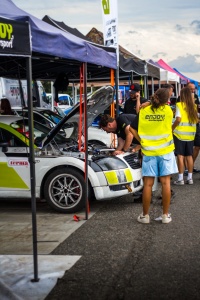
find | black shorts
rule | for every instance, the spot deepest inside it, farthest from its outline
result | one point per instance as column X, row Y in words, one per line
column 184, row 148
column 197, row 136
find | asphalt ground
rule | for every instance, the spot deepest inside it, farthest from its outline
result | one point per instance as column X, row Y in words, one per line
column 123, row 259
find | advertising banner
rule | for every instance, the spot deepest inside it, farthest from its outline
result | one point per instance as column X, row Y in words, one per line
column 14, row 38
column 110, row 22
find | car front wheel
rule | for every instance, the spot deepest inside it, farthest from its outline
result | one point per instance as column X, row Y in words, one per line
column 64, row 190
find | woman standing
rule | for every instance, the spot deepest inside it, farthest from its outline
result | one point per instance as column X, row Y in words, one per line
column 184, row 129
column 154, row 131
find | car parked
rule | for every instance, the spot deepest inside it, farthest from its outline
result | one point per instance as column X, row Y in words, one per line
column 60, row 165
column 70, row 129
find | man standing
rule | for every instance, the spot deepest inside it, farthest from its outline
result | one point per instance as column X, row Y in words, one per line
column 132, row 105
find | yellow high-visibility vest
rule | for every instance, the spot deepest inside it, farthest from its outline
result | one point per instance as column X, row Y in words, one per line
column 155, row 130
column 185, row 131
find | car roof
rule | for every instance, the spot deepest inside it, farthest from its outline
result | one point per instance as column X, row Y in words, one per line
column 9, row 119
column 34, row 108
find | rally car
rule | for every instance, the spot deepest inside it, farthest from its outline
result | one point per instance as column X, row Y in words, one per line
column 60, row 164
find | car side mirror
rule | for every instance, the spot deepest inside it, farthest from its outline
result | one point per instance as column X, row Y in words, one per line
column 4, row 146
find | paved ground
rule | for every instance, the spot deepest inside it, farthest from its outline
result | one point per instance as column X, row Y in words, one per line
column 122, row 259
column 16, row 227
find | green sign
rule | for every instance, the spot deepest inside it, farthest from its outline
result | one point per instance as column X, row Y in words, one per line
column 106, row 6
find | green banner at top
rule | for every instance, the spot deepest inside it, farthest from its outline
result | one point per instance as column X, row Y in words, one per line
column 110, row 22
column 106, row 7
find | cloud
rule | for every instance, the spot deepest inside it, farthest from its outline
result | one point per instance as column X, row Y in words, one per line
column 193, row 27
column 196, row 25
column 180, row 28
column 159, row 54
column 132, row 32
column 188, row 63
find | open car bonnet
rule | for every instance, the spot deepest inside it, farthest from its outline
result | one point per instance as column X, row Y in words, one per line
column 97, row 103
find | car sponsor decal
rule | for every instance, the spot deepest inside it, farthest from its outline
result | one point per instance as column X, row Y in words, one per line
column 18, row 163
column 118, row 176
column 128, row 174
column 9, row 178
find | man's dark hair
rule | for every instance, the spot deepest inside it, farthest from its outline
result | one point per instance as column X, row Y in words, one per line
column 104, row 120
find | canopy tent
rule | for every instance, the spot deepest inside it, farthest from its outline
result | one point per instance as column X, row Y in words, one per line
column 164, row 65
column 56, row 46
column 166, row 75
column 52, row 51
column 128, row 62
column 63, row 26
column 196, row 83
column 15, row 42
column 49, row 40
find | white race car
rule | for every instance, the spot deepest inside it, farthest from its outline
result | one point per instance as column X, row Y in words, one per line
column 60, row 165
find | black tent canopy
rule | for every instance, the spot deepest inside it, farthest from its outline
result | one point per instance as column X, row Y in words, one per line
column 35, row 49
column 128, row 62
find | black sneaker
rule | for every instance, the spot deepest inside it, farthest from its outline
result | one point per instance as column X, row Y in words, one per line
column 196, row 171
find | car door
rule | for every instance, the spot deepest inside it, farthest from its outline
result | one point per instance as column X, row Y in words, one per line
column 14, row 165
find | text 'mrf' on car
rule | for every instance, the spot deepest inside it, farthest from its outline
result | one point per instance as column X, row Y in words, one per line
column 60, row 165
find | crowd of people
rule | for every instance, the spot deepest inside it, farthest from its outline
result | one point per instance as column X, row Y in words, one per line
column 167, row 144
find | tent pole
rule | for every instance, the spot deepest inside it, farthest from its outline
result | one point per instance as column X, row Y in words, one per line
column 32, row 167
column 116, row 90
column 85, row 139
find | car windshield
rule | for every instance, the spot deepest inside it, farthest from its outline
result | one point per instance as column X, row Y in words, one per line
column 51, row 115
column 42, row 116
column 40, row 132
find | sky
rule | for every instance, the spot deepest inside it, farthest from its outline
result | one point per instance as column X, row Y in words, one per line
column 151, row 29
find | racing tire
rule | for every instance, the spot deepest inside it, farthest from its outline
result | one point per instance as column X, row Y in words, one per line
column 64, row 190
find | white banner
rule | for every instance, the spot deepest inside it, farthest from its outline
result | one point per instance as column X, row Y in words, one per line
column 110, row 22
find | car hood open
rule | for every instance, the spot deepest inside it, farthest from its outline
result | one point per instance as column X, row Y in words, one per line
column 97, row 103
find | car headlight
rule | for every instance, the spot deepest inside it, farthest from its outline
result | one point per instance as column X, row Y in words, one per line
column 111, row 163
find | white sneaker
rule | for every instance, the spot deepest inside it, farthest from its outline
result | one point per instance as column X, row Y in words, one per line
column 189, row 181
column 143, row 219
column 179, row 182
column 166, row 218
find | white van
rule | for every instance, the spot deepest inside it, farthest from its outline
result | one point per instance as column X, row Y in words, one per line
column 10, row 88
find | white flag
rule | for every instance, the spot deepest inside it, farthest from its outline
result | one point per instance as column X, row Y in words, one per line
column 110, row 22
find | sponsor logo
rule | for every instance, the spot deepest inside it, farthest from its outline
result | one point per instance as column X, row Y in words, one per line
column 18, row 163
column 6, row 37
column 155, row 117
column 106, row 6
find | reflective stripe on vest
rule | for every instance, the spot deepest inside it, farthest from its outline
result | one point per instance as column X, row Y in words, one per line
column 158, row 147
column 155, row 137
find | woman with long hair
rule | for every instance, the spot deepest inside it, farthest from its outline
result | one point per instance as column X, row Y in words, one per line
column 153, row 129
column 184, row 130
column 5, row 107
